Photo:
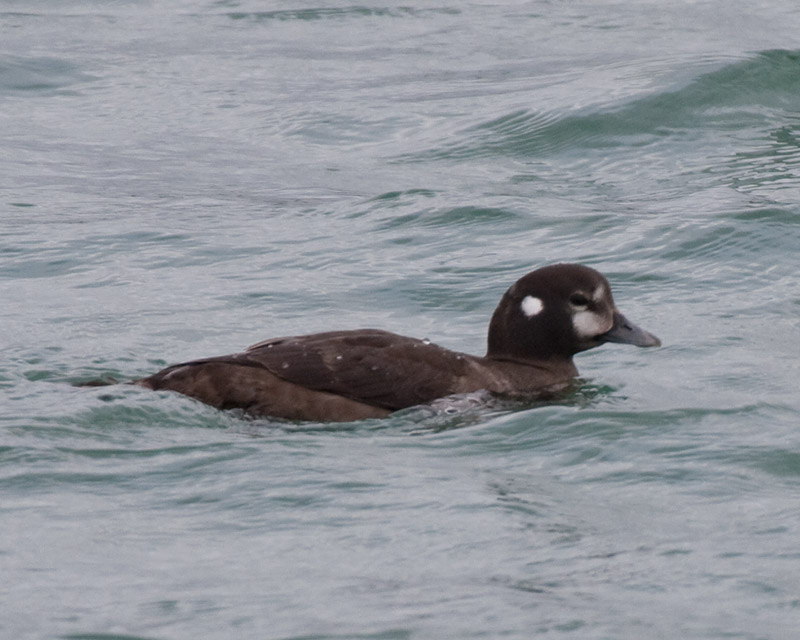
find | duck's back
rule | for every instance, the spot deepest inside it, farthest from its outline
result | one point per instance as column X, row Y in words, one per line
column 339, row 375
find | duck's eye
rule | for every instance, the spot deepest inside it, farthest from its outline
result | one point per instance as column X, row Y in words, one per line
column 579, row 300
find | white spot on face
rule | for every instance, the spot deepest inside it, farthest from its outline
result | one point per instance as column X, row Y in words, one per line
column 588, row 324
column 531, row 306
column 599, row 292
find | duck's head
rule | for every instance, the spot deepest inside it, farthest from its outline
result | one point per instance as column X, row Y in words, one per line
column 556, row 311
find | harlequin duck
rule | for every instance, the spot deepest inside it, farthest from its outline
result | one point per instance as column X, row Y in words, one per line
column 544, row 319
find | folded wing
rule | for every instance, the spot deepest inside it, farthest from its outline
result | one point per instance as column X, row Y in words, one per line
column 371, row 366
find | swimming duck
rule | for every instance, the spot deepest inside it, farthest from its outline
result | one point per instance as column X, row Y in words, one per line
column 541, row 322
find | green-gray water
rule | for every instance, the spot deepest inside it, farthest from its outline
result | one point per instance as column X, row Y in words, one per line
column 183, row 179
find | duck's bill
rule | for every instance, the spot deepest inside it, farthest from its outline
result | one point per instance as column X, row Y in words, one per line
column 625, row 332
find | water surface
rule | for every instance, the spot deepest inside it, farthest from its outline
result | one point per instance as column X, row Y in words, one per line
column 184, row 179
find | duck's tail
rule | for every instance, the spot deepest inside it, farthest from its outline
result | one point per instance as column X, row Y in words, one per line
column 97, row 382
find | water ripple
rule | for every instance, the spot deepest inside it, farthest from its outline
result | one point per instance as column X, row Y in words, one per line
column 758, row 89
column 22, row 75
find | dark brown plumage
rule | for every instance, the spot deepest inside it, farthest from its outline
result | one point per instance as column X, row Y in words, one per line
column 541, row 322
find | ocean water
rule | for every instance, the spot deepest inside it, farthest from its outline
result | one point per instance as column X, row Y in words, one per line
column 182, row 179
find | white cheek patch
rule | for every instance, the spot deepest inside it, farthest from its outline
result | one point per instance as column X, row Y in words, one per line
column 588, row 324
column 531, row 306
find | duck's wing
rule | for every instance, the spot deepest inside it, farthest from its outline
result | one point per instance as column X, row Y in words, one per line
column 370, row 366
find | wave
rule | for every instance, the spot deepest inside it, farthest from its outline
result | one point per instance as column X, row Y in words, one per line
column 326, row 13
column 751, row 92
column 24, row 75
